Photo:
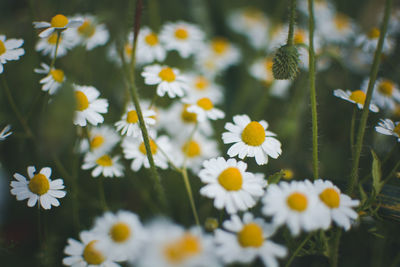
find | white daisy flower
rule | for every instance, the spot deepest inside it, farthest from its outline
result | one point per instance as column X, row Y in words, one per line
column 251, row 139
column 178, row 121
column 296, row 205
column 369, row 41
column 39, row 188
column 129, row 123
column 101, row 140
column 230, row 185
column 169, row 245
column 201, row 86
column 48, row 45
column 323, row 8
column 204, row 109
column 195, row 151
column 89, row 106
column 135, row 149
column 185, row 38
column 168, row 80
column 85, row 253
column 357, row 97
column 386, row 93
column 388, row 127
column 103, row 164
column 338, row 29
column 90, row 33
column 58, row 22
column 10, row 50
column 339, row 205
column 248, row 239
column 252, row 23
column 5, row 133
column 120, row 235
column 149, row 48
column 53, row 80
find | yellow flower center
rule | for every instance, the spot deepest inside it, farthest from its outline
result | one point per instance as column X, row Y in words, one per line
column 205, row 103
column 188, row 117
column 58, row 75
column 82, row 101
column 220, row 45
column 153, row 148
column 167, row 74
column 374, row 33
column 128, row 50
column 59, row 21
column 151, row 39
column 97, row 141
column 181, row 34
column 2, row 48
column 341, row 21
column 358, row 96
column 201, row 83
column 299, row 37
column 91, row 255
column 287, row 174
column 297, row 201
column 268, row 65
column 191, row 149
column 182, row 249
column 87, row 29
column 52, row 39
column 231, row 179
column 132, row 117
column 386, row 87
column 253, row 134
column 251, row 235
column 330, row 197
column 39, row 184
column 104, row 161
column 397, row 129
column 120, row 232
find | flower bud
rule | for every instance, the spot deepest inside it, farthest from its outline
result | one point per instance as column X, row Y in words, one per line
column 285, row 63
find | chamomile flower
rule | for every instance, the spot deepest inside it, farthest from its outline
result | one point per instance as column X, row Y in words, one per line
column 228, row 183
column 295, row 204
column 251, row 139
column 89, row 106
column 357, row 97
column 5, row 133
column 134, row 148
column 339, row 29
column 54, row 78
column 120, row 235
column 48, row 45
column 204, row 109
column 90, row 33
column 369, row 41
column 103, row 164
column 201, row 86
column 323, row 8
column 170, row 245
column 39, row 188
column 129, row 123
column 339, row 205
column 85, row 253
column 388, row 127
column 58, row 22
column 185, row 38
column 149, row 48
column 386, row 93
column 10, row 50
column 102, row 139
column 168, row 80
column 247, row 239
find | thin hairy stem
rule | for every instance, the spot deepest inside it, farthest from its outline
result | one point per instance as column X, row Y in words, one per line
column 298, row 249
column 292, row 22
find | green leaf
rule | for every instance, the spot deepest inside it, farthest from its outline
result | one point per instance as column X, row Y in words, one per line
column 276, row 177
column 363, row 195
column 376, row 174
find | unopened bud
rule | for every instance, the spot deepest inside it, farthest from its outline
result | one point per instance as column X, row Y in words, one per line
column 285, row 63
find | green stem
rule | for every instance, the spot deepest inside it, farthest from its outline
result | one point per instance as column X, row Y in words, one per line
column 311, row 55
column 334, row 249
column 292, row 22
column 53, row 61
column 190, row 194
column 102, row 195
column 392, row 173
column 352, row 129
column 298, row 249
column 365, row 111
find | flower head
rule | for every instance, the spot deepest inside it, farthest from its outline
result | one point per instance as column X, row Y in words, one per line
column 103, row 164
column 53, row 80
column 129, row 123
column 58, row 22
column 388, row 127
column 149, row 48
column 10, row 50
column 357, row 97
column 5, row 133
